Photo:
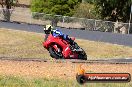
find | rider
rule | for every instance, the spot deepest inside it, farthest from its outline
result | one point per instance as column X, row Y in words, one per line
column 56, row 32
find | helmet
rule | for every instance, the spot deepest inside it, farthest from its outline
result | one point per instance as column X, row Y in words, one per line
column 48, row 29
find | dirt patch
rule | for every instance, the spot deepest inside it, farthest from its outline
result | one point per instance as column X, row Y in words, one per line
column 27, row 2
column 64, row 70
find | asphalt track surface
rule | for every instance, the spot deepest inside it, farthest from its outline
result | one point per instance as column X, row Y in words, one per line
column 82, row 34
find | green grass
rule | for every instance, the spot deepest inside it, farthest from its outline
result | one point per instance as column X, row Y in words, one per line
column 10, row 81
column 29, row 45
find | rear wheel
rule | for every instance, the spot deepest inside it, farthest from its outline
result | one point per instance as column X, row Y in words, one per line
column 82, row 55
column 55, row 54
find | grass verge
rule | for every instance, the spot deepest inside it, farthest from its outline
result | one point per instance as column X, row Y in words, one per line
column 11, row 81
column 29, row 45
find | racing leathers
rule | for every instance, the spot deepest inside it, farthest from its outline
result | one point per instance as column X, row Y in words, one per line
column 58, row 33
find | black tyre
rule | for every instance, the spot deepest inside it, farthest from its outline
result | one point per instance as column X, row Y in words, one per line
column 83, row 55
column 55, row 54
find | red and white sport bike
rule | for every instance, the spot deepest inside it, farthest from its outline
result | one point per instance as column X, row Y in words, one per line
column 62, row 49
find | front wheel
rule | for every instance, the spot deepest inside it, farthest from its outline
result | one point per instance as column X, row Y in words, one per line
column 55, row 54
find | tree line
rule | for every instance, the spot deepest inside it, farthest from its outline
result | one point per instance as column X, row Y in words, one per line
column 111, row 10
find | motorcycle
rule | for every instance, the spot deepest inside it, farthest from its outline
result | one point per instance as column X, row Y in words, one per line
column 62, row 49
